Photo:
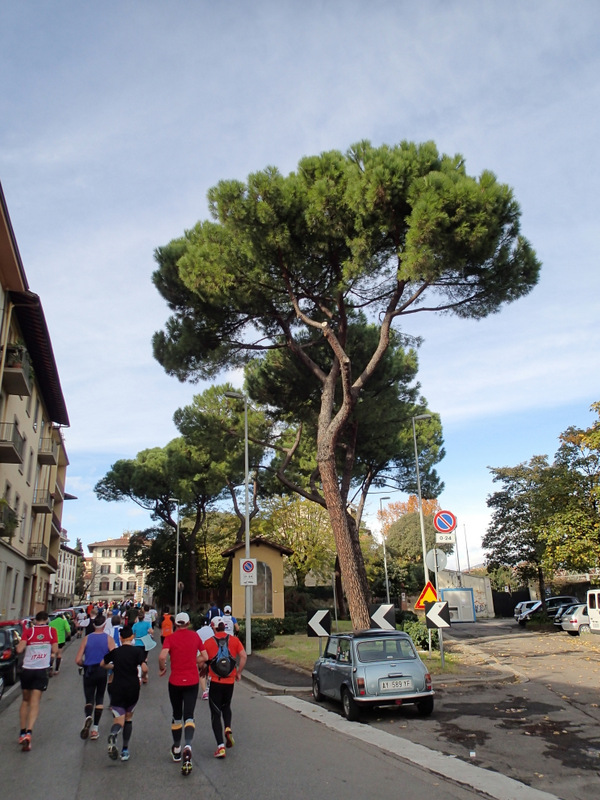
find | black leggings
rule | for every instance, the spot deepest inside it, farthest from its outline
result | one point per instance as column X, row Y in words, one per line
column 183, row 701
column 219, row 700
column 94, row 685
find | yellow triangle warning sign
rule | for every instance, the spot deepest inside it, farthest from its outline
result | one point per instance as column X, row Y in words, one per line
column 428, row 595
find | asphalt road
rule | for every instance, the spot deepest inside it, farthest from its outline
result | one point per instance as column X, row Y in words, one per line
column 278, row 753
column 534, row 718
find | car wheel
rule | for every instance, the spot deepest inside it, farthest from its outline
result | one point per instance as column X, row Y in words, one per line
column 11, row 675
column 522, row 623
column 349, row 706
column 584, row 628
column 425, row 707
column 573, row 633
column 316, row 691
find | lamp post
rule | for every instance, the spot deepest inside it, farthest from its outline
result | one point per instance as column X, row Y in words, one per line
column 387, row 583
column 248, row 600
column 420, row 416
column 175, row 500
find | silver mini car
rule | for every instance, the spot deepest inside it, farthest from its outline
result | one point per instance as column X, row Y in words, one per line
column 372, row 668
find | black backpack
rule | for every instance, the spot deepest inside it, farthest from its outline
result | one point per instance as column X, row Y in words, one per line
column 223, row 663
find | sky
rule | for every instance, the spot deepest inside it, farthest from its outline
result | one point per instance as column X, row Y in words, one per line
column 117, row 117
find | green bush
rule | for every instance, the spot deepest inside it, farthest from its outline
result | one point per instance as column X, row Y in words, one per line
column 263, row 633
column 419, row 633
column 405, row 616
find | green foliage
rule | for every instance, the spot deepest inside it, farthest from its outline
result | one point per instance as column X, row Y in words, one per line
column 419, row 633
column 263, row 632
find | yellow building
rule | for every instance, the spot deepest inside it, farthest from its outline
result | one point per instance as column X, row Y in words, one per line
column 33, row 457
column 267, row 596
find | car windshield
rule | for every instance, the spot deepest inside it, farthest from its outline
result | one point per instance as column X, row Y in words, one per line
column 384, row 650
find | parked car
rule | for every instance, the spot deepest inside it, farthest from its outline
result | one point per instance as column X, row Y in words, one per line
column 560, row 613
column 1, row 685
column 577, row 620
column 372, row 668
column 524, row 609
column 10, row 660
column 554, row 603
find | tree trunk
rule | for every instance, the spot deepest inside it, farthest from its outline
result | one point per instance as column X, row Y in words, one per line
column 354, row 575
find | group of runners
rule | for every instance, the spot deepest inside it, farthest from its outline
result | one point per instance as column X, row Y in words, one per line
column 113, row 656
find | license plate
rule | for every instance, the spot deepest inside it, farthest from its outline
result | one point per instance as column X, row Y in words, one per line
column 395, row 684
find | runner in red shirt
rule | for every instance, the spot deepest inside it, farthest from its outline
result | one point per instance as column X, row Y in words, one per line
column 40, row 644
column 220, row 691
column 186, row 652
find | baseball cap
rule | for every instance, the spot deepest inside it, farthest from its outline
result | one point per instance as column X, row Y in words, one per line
column 227, row 608
column 182, row 618
column 216, row 621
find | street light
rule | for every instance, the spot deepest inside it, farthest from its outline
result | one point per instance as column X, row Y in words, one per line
column 387, row 583
column 248, row 601
column 175, row 500
column 420, row 416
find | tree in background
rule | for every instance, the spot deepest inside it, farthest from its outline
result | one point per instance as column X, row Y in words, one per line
column 304, row 527
column 291, row 263
column 79, row 570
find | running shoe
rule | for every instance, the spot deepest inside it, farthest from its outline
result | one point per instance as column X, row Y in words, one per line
column 26, row 743
column 22, row 737
column 85, row 731
column 176, row 753
column 205, row 695
column 220, row 751
column 113, row 750
column 186, row 765
column 94, row 733
column 124, row 754
column 229, row 742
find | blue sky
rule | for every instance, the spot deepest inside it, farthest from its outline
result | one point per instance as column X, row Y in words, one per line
column 115, row 119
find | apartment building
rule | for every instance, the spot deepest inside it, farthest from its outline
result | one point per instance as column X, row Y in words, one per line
column 109, row 578
column 33, row 457
column 62, row 584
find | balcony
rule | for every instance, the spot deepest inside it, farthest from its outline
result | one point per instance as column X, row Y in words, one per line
column 48, row 451
column 42, row 502
column 12, row 444
column 37, row 553
column 16, row 378
column 9, row 521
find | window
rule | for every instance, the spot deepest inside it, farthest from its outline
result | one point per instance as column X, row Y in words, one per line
column 119, row 569
column 332, row 647
column 105, row 569
column 262, row 596
column 344, row 651
column 119, row 553
column 24, row 451
column 106, row 554
column 30, row 466
column 117, row 586
column 131, row 586
column 36, row 414
column 23, row 524
column 104, row 586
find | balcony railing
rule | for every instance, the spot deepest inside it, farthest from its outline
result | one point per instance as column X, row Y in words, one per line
column 42, row 502
column 48, row 451
column 38, row 553
column 16, row 378
column 12, row 444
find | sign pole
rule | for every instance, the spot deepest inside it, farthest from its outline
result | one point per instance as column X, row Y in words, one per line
column 437, row 583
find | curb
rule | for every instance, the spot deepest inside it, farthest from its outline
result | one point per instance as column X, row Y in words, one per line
column 274, row 688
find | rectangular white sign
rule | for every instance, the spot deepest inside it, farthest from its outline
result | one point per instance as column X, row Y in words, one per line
column 445, row 538
column 247, row 572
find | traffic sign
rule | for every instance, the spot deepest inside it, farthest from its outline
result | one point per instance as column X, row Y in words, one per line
column 445, row 538
column 437, row 615
column 383, row 617
column 319, row 623
column 444, row 521
column 428, row 594
column 436, row 559
column 248, row 572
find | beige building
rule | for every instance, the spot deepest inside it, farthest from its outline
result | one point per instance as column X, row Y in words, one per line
column 267, row 595
column 108, row 577
column 33, row 457
column 62, row 584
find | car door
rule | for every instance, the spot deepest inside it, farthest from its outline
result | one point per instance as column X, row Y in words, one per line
column 327, row 671
column 341, row 669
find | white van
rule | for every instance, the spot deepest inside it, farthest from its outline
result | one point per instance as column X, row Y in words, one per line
column 593, row 602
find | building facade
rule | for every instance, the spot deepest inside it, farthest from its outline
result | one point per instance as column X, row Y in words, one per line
column 109, row 579
column 33, row 457
column 62, row 584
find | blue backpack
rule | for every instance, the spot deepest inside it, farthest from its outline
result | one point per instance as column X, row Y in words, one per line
column 223, row 663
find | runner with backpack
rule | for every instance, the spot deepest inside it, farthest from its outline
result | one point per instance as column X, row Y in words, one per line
column 226, row 661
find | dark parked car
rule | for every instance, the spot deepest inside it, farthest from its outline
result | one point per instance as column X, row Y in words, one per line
column 10, row 660
column 372, row 668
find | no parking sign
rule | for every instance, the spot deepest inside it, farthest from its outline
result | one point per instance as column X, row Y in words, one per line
column 247, row 572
